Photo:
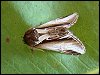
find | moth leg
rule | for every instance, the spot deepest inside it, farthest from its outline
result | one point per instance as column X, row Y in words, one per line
column 34, row 48
column 41, row 50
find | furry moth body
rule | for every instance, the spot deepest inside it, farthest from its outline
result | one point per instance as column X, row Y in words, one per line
column 54, row 35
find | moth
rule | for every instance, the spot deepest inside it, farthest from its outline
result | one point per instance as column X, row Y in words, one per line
column 55, row 35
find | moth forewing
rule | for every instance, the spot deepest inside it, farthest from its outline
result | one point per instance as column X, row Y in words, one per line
column 66, row 22
column 69, row 45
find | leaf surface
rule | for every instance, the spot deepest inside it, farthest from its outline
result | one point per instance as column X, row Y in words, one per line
column 18, row 16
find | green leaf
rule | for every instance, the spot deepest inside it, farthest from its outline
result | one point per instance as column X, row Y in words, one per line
column 18, row 16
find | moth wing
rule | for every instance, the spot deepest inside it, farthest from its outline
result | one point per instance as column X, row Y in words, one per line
column 66, row 22
column 70, row 44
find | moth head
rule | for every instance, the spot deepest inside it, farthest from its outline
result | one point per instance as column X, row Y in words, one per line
column 31, row 36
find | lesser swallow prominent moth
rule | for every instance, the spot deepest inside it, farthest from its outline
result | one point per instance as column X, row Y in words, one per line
column 55, row 35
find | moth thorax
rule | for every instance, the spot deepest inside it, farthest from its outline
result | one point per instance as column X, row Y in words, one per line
column 57, row 32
